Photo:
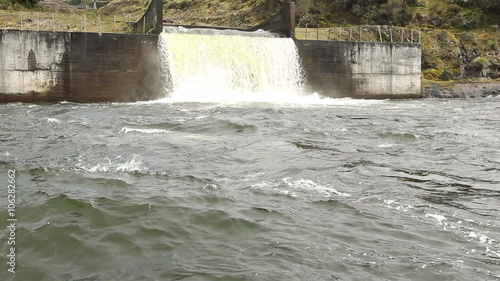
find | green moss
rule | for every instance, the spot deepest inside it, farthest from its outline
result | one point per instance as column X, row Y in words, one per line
column 431, row 74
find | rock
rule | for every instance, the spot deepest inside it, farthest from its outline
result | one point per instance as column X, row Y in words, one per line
column 461, row 90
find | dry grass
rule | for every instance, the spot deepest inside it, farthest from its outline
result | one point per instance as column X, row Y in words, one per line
column 71, row 22
column 360, row 33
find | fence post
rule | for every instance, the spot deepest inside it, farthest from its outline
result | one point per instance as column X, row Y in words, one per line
column 412, row 35
column 329, row 30
column 100, row 29
column 419, row 35
column 317, row 33
column 379, row 33
column 53, row 22
column 350, row 33
column 128, row 23
column 85, row 23
column 360, row 33
column 402, row 34
column 390, row 32
column 144, row 25
column 37, row 22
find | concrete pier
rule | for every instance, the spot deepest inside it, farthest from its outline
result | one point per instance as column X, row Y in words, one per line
column 78, row 67
column 362, row 69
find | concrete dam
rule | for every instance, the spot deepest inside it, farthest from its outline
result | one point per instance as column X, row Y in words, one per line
column 186, row 63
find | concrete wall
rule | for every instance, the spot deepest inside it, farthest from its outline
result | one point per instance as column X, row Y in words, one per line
column 152, row 20
column 78, row 67
column 362, row 69
column 283, row 22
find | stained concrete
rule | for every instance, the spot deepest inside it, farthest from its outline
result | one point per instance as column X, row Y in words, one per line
column 79, row 67
column 283, row 22
column 152, row 20
column 362, row 69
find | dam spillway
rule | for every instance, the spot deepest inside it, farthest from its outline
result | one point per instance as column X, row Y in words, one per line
column 222, row 65
column 42, row 66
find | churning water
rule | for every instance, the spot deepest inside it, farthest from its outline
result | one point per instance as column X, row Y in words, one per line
column 285, row 188
column 350, row 190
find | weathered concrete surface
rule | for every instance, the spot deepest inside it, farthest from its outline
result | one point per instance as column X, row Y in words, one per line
column 152, row 20
column 47, row 51
column 461, row 90
column 362, row 69
column 283, row 22
column 78, row 67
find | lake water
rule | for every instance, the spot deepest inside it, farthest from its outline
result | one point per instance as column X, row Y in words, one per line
column 321, row 189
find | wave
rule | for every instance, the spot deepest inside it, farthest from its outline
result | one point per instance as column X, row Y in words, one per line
column 301, row 188
column 133, row 165
column 52, row 120
column 126, row 130
column 264, row 99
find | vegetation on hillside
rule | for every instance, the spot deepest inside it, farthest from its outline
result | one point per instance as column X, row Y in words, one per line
column 17, row 4
column 425, row 13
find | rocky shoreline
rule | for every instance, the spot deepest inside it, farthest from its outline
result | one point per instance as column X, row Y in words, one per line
column 460, row 90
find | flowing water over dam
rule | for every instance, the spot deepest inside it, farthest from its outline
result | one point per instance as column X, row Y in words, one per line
column 221, row 65
column 237, row 175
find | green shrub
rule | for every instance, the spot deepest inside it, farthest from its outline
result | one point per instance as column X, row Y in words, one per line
column 27, row 3
column 309, row 20
column 446, row 75
column 17, row 4
column 480, row 63
column 394, row 12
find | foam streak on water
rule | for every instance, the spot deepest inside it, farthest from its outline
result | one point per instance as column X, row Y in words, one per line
column 217, row 67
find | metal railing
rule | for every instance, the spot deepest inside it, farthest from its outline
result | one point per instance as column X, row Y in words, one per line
column 70, row 22
column 362, row 33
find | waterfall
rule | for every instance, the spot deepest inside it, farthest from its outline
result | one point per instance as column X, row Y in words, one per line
column 214, row 65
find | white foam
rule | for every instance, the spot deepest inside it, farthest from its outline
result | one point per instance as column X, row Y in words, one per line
column 439, row 218
column 132, row 165
column 52, row 120
column 309, row 185
column 126, row 130
column 299, row 188
column 265, row 98
column 488, row 250
column 99, row 168
column 397, row 206
column 387, row 145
